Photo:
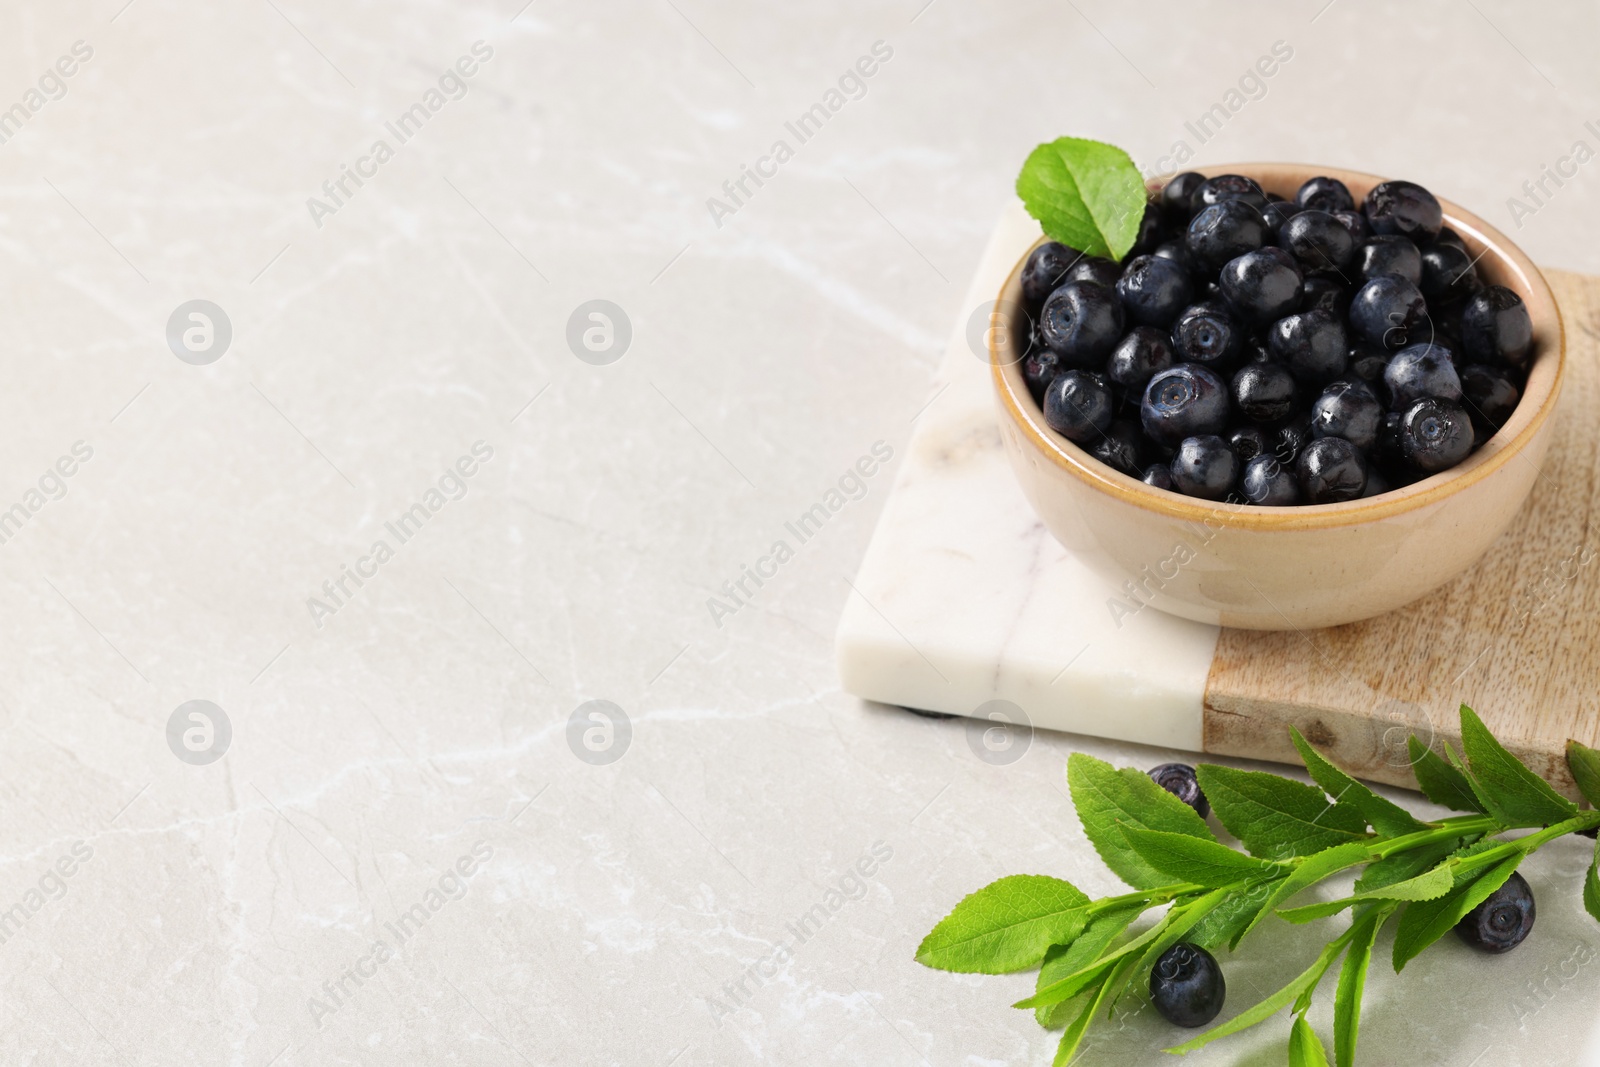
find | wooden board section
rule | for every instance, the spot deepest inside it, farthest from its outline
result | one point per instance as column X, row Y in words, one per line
column 1517, row 637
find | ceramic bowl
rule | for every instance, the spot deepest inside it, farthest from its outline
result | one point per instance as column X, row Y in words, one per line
column 1297, row 567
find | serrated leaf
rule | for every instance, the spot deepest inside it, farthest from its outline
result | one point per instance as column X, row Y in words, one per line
column 1228, row 922
column 1189, row 859
column 1107, row 799
column 1585, row 765
column 1386, row 817
column 1006, row 926
column 1591, row 886
column 1277, row 817
column 1514, row 791
column 1062, row 961
column 1426, row 886
column 1352, row 982
column 1424, row 922
column 1085, row 194
column 1312, row 869
column 1440, row 782
column 1404, row 865
column 1305, row 1047
column 1268, row 1006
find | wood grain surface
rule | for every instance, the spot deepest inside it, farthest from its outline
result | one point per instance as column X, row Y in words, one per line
column 1517, row 637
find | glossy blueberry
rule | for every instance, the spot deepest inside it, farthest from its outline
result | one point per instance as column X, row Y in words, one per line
column 1388, row 311
column 1260, row 287
column 1153, row 290
column 1268, row 483
column 1420, row 371
column 1277, row 212
column 1448, row 236
column 1077, row 405
column 1488, row 394
column 1206, row 333
column 1503, row 920
column 1319, row 242
column 1039, row 370
column 1356, row 223
column 1046, row 269
column 1180, row 780
column 1447, row 273
column 1263, row 392
column 1256, row 350
column 1391, row 254
column 1248, row 442
column 1145, row 352
column 1185, row 401
column 1160, row 476
column 1331, row 469
column 1324, row 194
column 1186, row 985
column 1121, row 448
column 1326, row 292
column 1289, row 438
column 1224, row 231
column 1204, row 466
column 1348, row 409
column 1311, row 344
column 1151, row 233
column 1177, row 197
column 1377, row 483
column 1081, row 322
column 1405, row 208
column 1095, row 269
column 1435, row 435
column 1228, row 187
column 1495, row 328
column 1368, row 364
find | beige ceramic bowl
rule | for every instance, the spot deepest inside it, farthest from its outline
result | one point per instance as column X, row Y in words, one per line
column 1287, row 568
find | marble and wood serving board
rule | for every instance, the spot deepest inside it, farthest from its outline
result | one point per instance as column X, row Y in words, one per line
column 964, row 599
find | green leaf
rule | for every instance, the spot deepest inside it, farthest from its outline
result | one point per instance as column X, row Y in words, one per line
column 1352, row 982
column 1269, row 1006
column 1305, row 1047
column 1189, row 859
column 1106, row 797
column 1179, row 918
column 1426, row 921
column 1585, row 764
column 1386, row 817
column 1405, row 865
column 1062, row 961
column 1426, row 886
column 1591, row 886
column 1275, row 816
column 1229, row 921
column 1440, row 782
column 1073, row 1037
column 1513, row 791
column 1085, row 194
column 1312, row 869
column 1176, row 926
column 1006, row 926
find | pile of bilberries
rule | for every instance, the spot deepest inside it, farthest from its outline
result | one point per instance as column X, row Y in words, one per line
column 1271, row 351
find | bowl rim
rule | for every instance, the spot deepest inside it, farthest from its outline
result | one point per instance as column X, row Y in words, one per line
column 1541, row 391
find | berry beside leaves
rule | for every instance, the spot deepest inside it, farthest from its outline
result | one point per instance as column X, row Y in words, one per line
column 1425, row 877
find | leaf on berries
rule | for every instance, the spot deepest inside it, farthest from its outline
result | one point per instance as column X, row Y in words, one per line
column 1085, row 194
column 1426, row 921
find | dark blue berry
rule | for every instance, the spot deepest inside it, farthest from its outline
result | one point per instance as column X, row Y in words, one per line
column 1039, row 370
column 1226, row 187
column 1204, row 466
column 1405, row 208
column 1388, row 311
column 1151, row 231
column 1046, row 270
column 1145, row 352
column 1263, row 392
column 1185, row 401
column 1447, row 273
column 1248, row 442
column 1180, row 780
column 1489, row 395
column 1077, row 405
column 1368, row 364
column 1447, row 236
column 1311, row 344
column 1289, row 438
column 1260, row 287
column 1331, row 469
column 1121, row 448
column 1325, row 292
column 1154, row 289
column 1081, row 322
column 1435, row 435
column 1420, row 371
column 1177, row 197
column 1268, row 483
column 1319, row 242
column 1278, row 212
column 1356, row 223
column 1324, row 194
column 1377, row 483
column 1207, row 333
column 1095, row 269
column 1224, row 231
column 1347, row 409
column 1503, row 920
column 1391, row 254
column 1186, row 985
column 1160, row 476
column 1495, row 328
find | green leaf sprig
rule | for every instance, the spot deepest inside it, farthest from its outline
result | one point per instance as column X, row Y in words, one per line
column 1424, row 876
column 1085, row 194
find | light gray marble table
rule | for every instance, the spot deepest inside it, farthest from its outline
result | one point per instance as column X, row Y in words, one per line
column 397, row 350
